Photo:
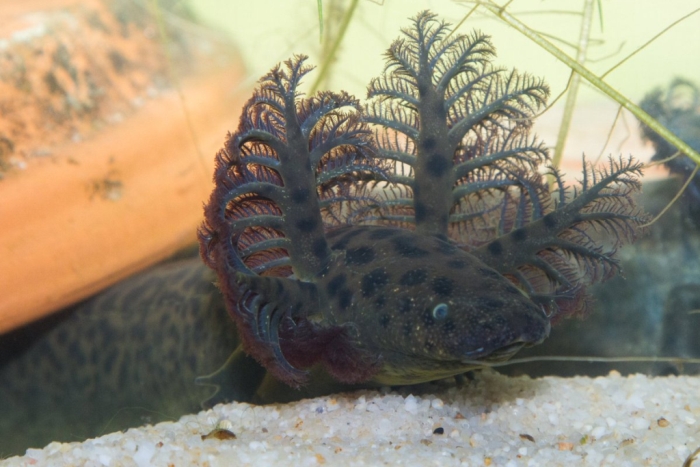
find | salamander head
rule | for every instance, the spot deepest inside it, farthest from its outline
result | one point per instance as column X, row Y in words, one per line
column 425, row 306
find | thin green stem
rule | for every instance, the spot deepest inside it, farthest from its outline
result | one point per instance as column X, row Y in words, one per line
column 675, row 198
column 165, row 40
column 610, row 133
column 582, row 358
column 319, row 6
column 591, row 77
column 648, row 42
column 570, row 105
column 326, row 65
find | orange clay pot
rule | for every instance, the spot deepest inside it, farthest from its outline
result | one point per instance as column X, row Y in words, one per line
column 102, row 173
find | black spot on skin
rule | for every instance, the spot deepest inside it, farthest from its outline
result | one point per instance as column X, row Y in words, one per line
column 405, row 305
column 405, row 247
column 449, row 326
column 490, row 273
column 307, row 225
column 419, row 211
column 443, row 286
column 380, row 234
column 439, row 431
column 428, row 317
column 549, row 221
column 344, row 299
column 359, row 256
column 519, row 235
column 437, row 165
column 495, row 248
column 335, row 284
column 413, row 277
column 429, row 345
column 384, row 320
column 457, row 264
column 319, row 248
column 373, row 281
column 380, row 301
column 299, row 195
column 428, row 144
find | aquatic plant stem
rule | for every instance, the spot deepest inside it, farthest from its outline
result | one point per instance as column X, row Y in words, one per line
column 574, row 83
column 675, row 198
column 319, row 6
column 325, row 66
column 587, row 359
column 691, row 458
column 177, row 85
column 591, row 77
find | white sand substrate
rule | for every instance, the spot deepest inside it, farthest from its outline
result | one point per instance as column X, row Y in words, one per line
column 494, row 421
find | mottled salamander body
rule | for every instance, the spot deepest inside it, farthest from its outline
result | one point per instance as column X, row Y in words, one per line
column 423, row 304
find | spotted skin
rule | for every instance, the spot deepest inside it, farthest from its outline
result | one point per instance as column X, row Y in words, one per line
column 384, row 286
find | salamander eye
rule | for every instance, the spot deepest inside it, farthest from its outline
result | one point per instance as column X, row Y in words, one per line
column 441, row 311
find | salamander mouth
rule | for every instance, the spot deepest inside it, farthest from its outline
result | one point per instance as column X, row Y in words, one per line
column 505, row 353
column 499, row 355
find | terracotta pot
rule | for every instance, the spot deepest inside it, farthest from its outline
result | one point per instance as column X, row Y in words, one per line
column 108, row 164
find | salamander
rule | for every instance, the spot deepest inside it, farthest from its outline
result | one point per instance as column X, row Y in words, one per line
column 411, row 237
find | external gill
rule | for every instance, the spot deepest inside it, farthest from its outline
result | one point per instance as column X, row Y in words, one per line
column 454, row 126
column 290, row 168
column 554, row 249
column 271, row 301
column 457, row 131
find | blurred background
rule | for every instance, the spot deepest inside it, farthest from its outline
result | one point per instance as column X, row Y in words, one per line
column 269, row 31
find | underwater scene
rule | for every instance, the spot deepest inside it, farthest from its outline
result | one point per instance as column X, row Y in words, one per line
column 214, row 202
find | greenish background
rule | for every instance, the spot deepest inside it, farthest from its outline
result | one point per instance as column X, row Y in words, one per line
column 268, row 31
